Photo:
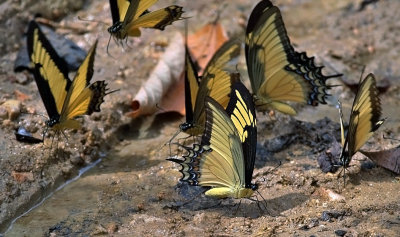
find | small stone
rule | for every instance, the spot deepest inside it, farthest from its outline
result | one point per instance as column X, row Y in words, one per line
column 333, row 214
column 161, row 195
column 140, row 206
column 3, row 113
column 76, row 160
column 340, row 232
column 21, row 177
column 112, row 228
column 22, row 78
column 13, row 108
column 99, row 230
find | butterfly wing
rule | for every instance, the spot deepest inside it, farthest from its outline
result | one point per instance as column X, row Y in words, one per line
column 365, row 115
column 223, row 165
column 191, row 90
column 216, row 82
column 83, row 97
column 277, row 72
column 225, row 159
column 243, row 115
column 158, row 19
column 50, row 71
column 124, row 13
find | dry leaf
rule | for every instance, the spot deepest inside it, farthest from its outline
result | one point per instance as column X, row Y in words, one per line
column 164, row 78
column 205, row 42
column 174, row 98
column 389, row 159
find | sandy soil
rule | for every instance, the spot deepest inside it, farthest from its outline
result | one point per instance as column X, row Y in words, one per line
column 134, row 191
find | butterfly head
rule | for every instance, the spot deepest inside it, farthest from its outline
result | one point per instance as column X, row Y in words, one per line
column 53, row 121
column 252, row 186
column 185, row 126
column 117, row 30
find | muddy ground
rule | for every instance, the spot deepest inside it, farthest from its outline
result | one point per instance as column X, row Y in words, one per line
column 133, row 190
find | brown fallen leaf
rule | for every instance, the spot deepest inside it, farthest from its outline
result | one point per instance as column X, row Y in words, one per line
column 164, row 91
column 205, row 42
column 389, row 159
column 163, row 88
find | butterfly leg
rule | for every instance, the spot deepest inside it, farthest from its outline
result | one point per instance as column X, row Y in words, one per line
column 238, row 205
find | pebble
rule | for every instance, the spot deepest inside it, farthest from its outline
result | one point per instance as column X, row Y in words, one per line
column 22, row 78
column 329, row 215
column 112, row 228
column 21, row 177
column 340, row 232
column 13, row 108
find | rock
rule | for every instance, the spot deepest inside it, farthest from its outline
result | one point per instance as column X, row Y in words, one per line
column 112, row 228
column 13, row 108
column 327, row 194
column 332, row 214
column 340, row 232
column 76, row 160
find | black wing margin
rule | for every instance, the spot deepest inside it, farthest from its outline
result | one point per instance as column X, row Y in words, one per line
column 241, row 109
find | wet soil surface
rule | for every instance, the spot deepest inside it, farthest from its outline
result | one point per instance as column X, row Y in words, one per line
column 134, row 191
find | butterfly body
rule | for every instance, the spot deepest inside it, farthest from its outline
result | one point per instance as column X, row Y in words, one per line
column 64, row 99
column 131, row 15
column 278, row 73
column 224, row 161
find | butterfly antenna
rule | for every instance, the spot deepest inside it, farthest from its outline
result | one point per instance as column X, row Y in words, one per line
column 361, row 76
column 160, row 108
column 259, row 206
column 36, row 114
column 94, row 21
column 270, row 171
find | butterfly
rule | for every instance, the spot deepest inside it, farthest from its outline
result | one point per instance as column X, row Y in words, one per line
column 130, row 15
column 215, row 83
column 224, row 161
column 278, row 73
column 364, row 119
column 63, row 99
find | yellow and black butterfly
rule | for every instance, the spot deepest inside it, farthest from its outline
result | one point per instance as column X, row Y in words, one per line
column 64, row 99
column 364, row 119
column 278, row 73
column 130, row 15
column 224, row 161
column 215, row 83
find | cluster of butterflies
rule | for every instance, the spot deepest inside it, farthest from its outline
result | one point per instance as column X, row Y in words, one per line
column 218, row 106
